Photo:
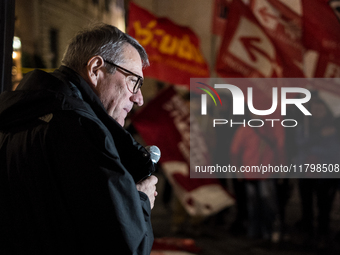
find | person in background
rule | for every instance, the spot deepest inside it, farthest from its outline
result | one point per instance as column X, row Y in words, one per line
column 317, row 142
column 72, row 179
column 255, row 146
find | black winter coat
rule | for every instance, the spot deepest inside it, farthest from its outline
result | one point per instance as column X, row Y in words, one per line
column 68, row 172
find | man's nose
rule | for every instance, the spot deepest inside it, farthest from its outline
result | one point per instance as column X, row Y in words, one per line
column 138, row 98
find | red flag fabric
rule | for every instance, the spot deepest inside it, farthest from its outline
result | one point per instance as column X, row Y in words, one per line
column 321, row 27
column 258, row 146
column 282, row 22
column 173, row 50
column 261, row 40
column 321, row 37
column 163, row 246
column 165, row 122
column 322, row 65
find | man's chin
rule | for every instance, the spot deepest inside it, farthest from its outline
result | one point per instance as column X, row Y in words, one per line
column 121, row 122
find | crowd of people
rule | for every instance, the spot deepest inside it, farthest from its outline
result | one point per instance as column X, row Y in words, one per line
column 261, row 202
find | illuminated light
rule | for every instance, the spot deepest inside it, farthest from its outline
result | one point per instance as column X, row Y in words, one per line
column 16, row 43
column 14, row 55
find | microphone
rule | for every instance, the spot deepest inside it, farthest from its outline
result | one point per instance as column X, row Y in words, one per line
column 149, row 168
column 155, row 153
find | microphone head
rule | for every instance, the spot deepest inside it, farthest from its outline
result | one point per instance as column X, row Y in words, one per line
column 155, row 153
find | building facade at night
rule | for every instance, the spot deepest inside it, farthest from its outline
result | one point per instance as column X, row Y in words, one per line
column 45, row 26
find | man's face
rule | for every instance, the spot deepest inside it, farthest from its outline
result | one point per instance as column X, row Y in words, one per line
column 113, row 91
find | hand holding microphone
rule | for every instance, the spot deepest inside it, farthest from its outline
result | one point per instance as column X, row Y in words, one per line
column 148, row 185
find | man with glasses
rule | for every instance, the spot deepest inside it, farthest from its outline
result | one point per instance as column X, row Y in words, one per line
column 73, row 181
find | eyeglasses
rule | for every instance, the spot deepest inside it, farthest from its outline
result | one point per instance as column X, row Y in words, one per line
column 133, row 84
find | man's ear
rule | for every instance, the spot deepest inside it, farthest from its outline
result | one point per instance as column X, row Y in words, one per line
column 93, row 69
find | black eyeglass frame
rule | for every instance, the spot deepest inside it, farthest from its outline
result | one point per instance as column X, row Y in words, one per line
column 140, row 78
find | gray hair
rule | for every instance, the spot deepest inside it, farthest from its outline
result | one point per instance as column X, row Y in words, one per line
column 101, row 39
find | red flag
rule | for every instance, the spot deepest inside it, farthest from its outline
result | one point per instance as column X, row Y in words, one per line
column 246, row 51
column 173, row 50
column 321, row 27
column 282, row 22
column 261, row 40
column 319, row 64
column 165, row 122
column 321, row 37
